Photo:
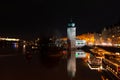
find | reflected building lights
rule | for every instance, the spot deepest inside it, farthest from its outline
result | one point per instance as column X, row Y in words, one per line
column 71, row 63
column 16, row 45
column 24, row 48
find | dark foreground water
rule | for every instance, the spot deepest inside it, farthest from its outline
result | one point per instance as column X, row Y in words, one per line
column 19, row 64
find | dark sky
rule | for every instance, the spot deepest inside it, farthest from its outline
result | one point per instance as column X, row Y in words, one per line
column 31, row 18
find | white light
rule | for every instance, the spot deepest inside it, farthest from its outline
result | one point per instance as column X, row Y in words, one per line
column 117, row 53
column 24, row 46
column 9, row 39
column 73, row 24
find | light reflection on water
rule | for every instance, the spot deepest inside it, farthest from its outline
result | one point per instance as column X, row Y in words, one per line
column 15, row 45
column 71, row 63
column 72, row 55
column 24, row 49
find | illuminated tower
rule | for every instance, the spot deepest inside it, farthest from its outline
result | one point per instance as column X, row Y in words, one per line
column 71, row 60
column 71, row 34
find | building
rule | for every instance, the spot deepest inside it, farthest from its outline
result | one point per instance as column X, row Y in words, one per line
column 88, row 37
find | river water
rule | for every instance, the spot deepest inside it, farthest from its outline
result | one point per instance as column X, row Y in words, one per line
column 16, row 62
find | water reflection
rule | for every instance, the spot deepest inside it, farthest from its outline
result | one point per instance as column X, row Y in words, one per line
column 71, row 63
column 80, row 54
column 24, row 49
column 15, row 45
column 28, row 53
column 72, row 55
column 49, row 56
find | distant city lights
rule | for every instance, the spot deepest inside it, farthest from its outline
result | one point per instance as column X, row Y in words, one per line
column 9, row 39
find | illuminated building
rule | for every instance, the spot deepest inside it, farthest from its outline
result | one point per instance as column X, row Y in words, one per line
column 80, row 43
column 111, row 35
column 88, row 37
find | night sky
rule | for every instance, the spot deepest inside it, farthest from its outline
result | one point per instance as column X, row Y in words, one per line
column 29, row 19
